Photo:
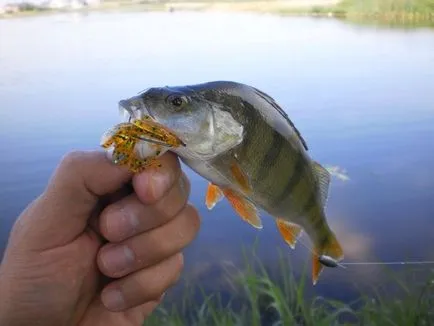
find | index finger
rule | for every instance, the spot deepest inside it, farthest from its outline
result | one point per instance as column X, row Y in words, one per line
column 152, row 184
column 129, row 216
column 63, row 210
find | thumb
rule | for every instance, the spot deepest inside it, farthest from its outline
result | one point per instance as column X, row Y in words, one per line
column 62, row 212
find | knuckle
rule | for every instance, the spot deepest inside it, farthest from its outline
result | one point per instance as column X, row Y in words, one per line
column 193, row 217
column 184, row 184
column 178, row 264
column 160, row 249
column 174, row 203
column 143, row 312
column 165, row 211
column 110, row 213
column 71, row 159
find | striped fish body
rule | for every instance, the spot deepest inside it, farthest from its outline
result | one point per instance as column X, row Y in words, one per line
column 280, row 177
column 264, row 164
column 277, row 168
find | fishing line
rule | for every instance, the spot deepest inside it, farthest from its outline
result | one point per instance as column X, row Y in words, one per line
column 329, row 261
column 324, row 259
column 422, row 262
column 299, row 240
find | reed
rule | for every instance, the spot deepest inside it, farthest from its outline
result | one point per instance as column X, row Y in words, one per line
column 393, row 12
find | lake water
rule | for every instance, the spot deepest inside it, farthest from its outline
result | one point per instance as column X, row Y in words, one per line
column 363, row 98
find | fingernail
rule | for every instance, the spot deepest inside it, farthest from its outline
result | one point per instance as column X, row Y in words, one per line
column 127, row 224
column 160, row 183
column 113, row 299
column 117, row 259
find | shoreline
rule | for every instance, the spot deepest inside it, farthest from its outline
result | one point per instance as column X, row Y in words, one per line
column 314, row 8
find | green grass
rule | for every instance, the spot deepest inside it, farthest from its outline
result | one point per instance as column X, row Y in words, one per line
column 392, row 12
column 286, row 299
column 385, row 6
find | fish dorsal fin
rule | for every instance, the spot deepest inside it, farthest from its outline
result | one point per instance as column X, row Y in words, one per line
column 274, row 104
column 323, row 178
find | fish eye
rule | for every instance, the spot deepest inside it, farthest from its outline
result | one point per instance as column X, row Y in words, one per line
column 178, row 101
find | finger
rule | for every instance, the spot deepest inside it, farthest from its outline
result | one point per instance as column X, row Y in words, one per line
column 61, row 213
column 97, row 314
column 120, row 194
column 154, row 183
column 129, row 216
column 143, row 286
column 138, row 315
column 149, row 248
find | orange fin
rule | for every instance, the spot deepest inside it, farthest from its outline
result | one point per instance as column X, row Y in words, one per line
column 332, row 249
column 213, row 195
column 240, row 176
column 317, row 268
column 244, row 208
column 289, row 231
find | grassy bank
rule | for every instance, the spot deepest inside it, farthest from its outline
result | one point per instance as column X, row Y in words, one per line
column 261, row 298
column 392, row 12
column 258, row 6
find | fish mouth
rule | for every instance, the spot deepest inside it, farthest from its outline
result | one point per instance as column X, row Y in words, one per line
column 126, row 111
column 153, row 131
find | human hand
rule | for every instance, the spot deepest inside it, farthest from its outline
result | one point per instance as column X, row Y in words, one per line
column 90, row 252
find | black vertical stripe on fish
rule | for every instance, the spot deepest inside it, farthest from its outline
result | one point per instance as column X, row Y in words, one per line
column 310, row 204
column 324, row 237
column 247, row 142
column 269, row 160
column 297, row 174
column 254, row 149
column 273, row 103
column 249, row 131
column 314, row 213
column 251, row 151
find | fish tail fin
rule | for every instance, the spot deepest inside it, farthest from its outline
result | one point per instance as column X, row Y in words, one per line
column 331, row 248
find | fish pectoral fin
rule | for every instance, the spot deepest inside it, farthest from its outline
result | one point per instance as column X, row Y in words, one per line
column 213, row 195
column 333, row 249
column 323, row 178
column 245, row 209
column 240, row 177
column 290, row 232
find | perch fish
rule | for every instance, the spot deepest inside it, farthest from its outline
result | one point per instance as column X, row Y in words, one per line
column 241, row 141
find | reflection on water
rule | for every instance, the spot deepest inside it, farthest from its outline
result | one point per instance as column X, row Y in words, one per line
column 361, row 97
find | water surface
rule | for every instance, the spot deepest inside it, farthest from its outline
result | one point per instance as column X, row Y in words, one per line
column 362, row 98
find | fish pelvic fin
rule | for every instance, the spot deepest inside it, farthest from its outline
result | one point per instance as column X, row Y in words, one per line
column 331, row 248
column 290, row 232
column 323, row 179
column 213, row 195
column 244, row 208
column 240, row 177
